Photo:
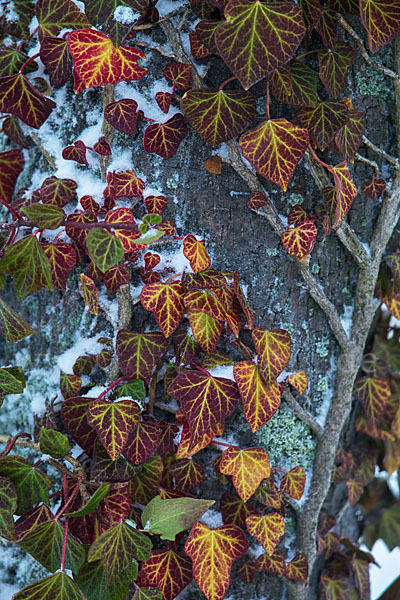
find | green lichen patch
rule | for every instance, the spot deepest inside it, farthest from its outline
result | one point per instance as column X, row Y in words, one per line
column 321, row 347
column 372, row 84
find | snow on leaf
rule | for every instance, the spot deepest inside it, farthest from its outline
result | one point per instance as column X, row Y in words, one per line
column 113, row 422
column 374, row 394
column 105, row 249
column 164, row 139
column 20, row 98
column 165, row 301
column 56, row 58
column 11, row 165
column 196, row 253
column 267, row 529
column 139, row 353
column 212, row 553
column 103, row 14
column 381, row 20
column 260, row 401
column 218, row 115
column 204, row 399
column 273, row 351
column 247, row 467
column 299, row 241
column 117, row 546
column 250, row 41
column 142, row 442
column 98, row 62
column 122, row 115
column 323, row 121
column 299, row 381
column 297, row 568
column 179, row 74
column 274, row 148
column 168, row 570
column 293, row 483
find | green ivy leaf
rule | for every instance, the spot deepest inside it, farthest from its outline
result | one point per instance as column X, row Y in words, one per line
column 12, row 380
column 134, row 389
column 28, row 265
column 389, row 527
column 147, row 594
column 31, row 484
column 13, row 327
column 45, row 543
column 117, row 546
column 92, row 579
column 169, row 517
column 8, row 505
column 105, row 249
column 152, row 219
column 44, row 216
column 55, row 587
column 101, row 14
column 54, row 443
column 93, row 503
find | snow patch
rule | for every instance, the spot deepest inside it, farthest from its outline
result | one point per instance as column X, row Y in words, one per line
column 125, row 15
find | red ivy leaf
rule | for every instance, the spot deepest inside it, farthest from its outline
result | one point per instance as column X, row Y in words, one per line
column 323, row 121
column 168, row 571
column 197, row 48
column 102, row 147
column 273, row 351
column 163, row 100
column 381, row 20
column 299, row 241
column 234, row 511
column 195, row 251
column 165, row 301
column 346, row 191
column 257, row 200
column 142, row 442
column 297, row 215
column 299, row 381
column 125, row 184
column 74, row 415
column 333, row 66
column 374, row 394
column 77, row 152
column 13, row 131
column 124, row 215
column 122, row 115
column 89, row 292
column 349, row 136
column 297, row 568
column 273, row 564
column 186, row 474
column 62, row 258
column 11, row 164
column 374, row 188
column 164, row 139
column 179, row 74
column 58, row 192
column 55, row 15
column 139, row 353
column 20, row 98
column 56, row 58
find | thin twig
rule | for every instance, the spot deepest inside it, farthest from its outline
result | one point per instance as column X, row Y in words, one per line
column 385, row 155
column 366, row 161
column 173, row 13
column 50, row 159
column 302, row 414
column 155, row 48
column 370, row 61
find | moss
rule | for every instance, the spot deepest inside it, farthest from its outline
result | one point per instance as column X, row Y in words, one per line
column 321, row 347
column 372, row 84
column 287, row 440
column 290, row 328
column 315, row 269
column 294, row 199
column 322, row 383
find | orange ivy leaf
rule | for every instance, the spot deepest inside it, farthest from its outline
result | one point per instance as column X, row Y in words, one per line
column 297, row 568
column 167, row 570
column 213, row 551
column 258, row 37
column 98, row 62
column 165, row 301
column 247, row 467
column 184, row 448
column 374, row 394
column 20, row 98
column 354, row 491
column 273, row 351
column 113, row 422
column 205, row 400
column 293, row 482
column 274, row 148
column 89, row 292
column 260, row 401
column 346, row 191
column 196, row 253
column 267, row 529
column 299, row 241
column 299, row 381
column 273, row 564
column 206, row 329
column 125, row 183
column 207, row 302
column 381, row 20
column 268, row 494
column 123, row 215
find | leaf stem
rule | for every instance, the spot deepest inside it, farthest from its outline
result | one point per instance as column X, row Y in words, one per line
column 15, row 213
column 267, row 103
column 10, row 443
column 223, row 84
column 198, row 368
column 68, row 500
column 110, row 387
column 321, row 162
column 26, row 63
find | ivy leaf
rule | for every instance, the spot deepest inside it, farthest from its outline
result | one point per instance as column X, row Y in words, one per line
column 267, row 529
column 12, row 129
column 273, row 351
column 218, row 115
column 133, row 389
column 297, row 568
column 273, row 564
column 234, row 511
column 44, row 216
column 103, row 15
column 76, row 152
column 274, row 148
column 197, row 48
column 115, row 277
column 122, row 115
column 327, row 26
column 146, row 593
column 299, row 381
column 105, row 249
column 128, row 238
column 74, row 415
column 102, row 147
column 92, row 580
column 155, row 205
column 62, row 258
column 146, row 480
column 165, row 301
column 207, row 302
column 185, row 450
column 293, row 483
column 374, row 394
column 163, row 100
column 250, row 41
column 247, row 467
column 54, row 443
column 93, row 503
column 13, row 327
column 246, row 572
column 169, row 571
column 139, row 353
column 12, row 380
column 8, row 505
column 98, row 62
column 361, row 573
column 164, row 139
column 11, row 60
column 212, row 553
column 333, row 67
column 28, row 265
column 55, row 587
column 204, row 399
column 56, row 58
column 295, row 83
column 260, row 401
column 45, row 544
column 323, row 121
column 374, row 188
column 299, row 241
column 381, row 20
column 125, row 184
column 117, row 546
column 58, row 192
column 142, row 442
column 354, row 491
column 206, row 329
column 113, row 422
column 186, row 474
column 87, row 288
column 11, row 164
column 346, row 191
column 206, row 32
column 179, row 74
column 167, row 518
column 55, row 15
column 336, row 587
column 31, row 484
column 349, row 136
column 20, row 98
